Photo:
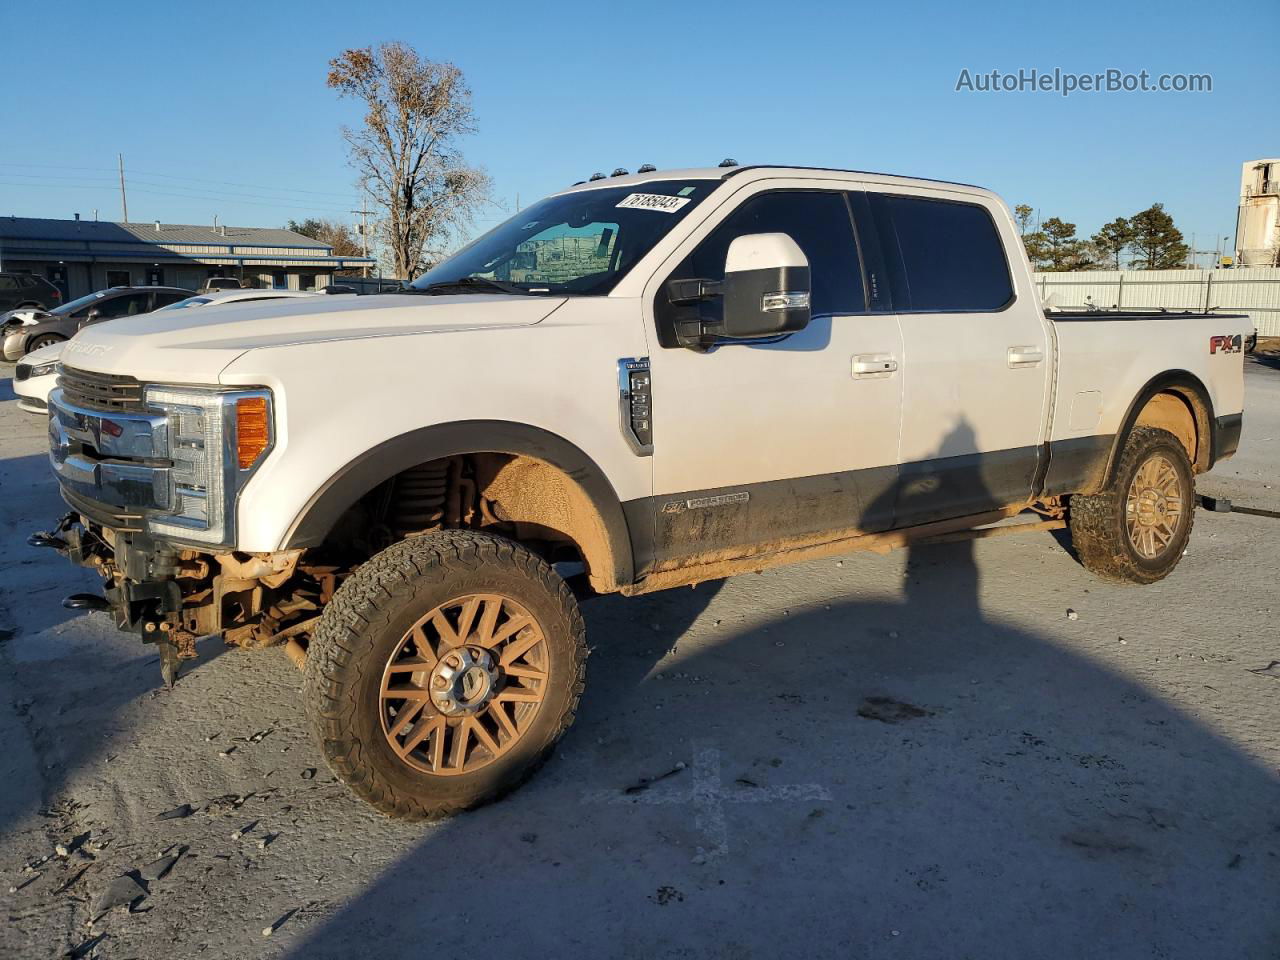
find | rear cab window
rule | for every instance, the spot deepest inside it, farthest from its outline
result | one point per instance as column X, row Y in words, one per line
column 942, row 256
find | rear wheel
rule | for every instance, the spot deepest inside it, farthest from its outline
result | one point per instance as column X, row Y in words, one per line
column 443, row 672
column 1136, row 530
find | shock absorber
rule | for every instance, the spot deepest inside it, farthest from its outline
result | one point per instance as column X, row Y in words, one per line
column 420, row 495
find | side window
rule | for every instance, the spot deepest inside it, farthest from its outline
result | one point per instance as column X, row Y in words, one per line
column 164, row 299
column 818, row 222
column 127, row 306
column 8, row 283
column 941, row 255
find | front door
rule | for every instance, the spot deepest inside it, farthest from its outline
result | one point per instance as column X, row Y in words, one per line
column 975, row 368
column 758, row 446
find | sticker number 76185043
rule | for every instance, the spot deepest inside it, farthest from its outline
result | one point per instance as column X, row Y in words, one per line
column 653, row 201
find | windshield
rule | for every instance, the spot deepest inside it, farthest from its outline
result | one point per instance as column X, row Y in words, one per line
column 74, row 305
column 575, row 243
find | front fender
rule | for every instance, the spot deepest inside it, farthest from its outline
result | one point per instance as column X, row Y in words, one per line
column 380, row 463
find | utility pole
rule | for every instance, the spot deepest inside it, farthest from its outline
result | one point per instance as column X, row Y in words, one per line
column 124, row 200
column 364, row 231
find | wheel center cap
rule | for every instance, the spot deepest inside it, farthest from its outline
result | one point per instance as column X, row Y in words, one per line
column 463, row 681
column 474, row 683
column 1152, row 507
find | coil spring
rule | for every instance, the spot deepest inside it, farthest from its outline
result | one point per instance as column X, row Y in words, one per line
column 420, row 495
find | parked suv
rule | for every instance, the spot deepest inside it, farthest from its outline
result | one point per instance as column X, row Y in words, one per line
column 19, row 290
column 24, row 334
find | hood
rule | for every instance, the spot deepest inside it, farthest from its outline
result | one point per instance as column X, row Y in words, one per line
column 195, row 345
column 44, row 355
column 23, row 315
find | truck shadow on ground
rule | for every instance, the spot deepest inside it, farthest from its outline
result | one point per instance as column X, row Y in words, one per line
column 1266, row 360
column 851, row 773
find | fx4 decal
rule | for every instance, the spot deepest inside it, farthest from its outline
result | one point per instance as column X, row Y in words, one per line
column 1226, row 344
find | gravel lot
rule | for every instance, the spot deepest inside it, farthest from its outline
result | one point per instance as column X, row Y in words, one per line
column 919, row 755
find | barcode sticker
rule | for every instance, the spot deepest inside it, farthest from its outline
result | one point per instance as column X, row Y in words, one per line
column 654, row 201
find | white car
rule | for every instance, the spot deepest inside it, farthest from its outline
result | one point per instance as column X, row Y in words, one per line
column 656, row 379
column 218, row 297
column 34, row 378
column 36, row 373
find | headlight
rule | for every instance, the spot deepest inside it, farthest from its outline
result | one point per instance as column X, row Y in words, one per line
column 40, row 369
column 216, row 440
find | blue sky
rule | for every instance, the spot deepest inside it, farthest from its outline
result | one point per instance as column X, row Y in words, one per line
column 223, row 110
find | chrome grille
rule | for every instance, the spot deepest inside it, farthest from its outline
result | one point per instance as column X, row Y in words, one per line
column 100, row 391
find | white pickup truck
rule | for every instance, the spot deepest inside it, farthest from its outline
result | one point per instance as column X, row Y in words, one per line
column 641, row 382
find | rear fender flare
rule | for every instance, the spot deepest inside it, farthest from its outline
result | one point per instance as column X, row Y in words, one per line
column 1178, row 381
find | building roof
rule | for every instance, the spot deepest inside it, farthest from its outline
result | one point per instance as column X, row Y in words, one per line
column 102, row 231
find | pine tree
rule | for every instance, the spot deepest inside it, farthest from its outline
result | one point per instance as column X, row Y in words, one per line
column 1110, row 243
column 1157, row 243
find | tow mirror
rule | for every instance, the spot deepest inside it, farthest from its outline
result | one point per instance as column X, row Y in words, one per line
column 766, row 287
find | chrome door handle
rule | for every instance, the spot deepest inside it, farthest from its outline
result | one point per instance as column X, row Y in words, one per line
column 1031, row 356
column 871, row 365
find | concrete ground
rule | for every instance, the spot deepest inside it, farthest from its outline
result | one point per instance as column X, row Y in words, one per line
column 920, row 755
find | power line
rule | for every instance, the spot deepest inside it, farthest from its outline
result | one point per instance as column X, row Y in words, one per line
column 169, row 176
column 294, row 205
column 195, row 192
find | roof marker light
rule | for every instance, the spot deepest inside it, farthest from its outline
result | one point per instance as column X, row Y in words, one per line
column 646, row 168
column 596, row 176
column 619, row 172
column 728, row 162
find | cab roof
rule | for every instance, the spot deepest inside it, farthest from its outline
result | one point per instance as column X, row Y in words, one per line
column 768, row 171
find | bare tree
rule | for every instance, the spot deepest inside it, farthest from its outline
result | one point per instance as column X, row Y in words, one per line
column 407, row 151
column 337, row 236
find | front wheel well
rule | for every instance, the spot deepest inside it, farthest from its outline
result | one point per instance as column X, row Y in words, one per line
column 517, row 496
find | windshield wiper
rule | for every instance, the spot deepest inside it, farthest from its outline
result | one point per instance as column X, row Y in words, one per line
column 469, row 285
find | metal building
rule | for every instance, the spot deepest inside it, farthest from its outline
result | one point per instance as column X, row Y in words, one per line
column 80, row 256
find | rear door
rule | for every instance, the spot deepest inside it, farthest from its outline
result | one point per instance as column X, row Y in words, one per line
column 976, row 359
column 757, row 445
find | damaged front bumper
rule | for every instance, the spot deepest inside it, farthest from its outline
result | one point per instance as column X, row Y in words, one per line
column 171, row 595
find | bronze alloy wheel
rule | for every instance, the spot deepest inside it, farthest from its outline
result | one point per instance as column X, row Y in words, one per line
column 1153, row 507
column 443, row 672
column 463, row 684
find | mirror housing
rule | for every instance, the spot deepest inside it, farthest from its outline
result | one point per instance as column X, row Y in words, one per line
column 766, row 287
column 93, row 315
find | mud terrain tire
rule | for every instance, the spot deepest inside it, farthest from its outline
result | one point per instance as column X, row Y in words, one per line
column 364, row 629
column 1106, row 529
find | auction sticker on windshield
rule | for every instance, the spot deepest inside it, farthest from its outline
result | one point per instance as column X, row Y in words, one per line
column 654, row 201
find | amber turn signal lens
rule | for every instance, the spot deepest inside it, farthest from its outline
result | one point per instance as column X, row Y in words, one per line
column 253, row 432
